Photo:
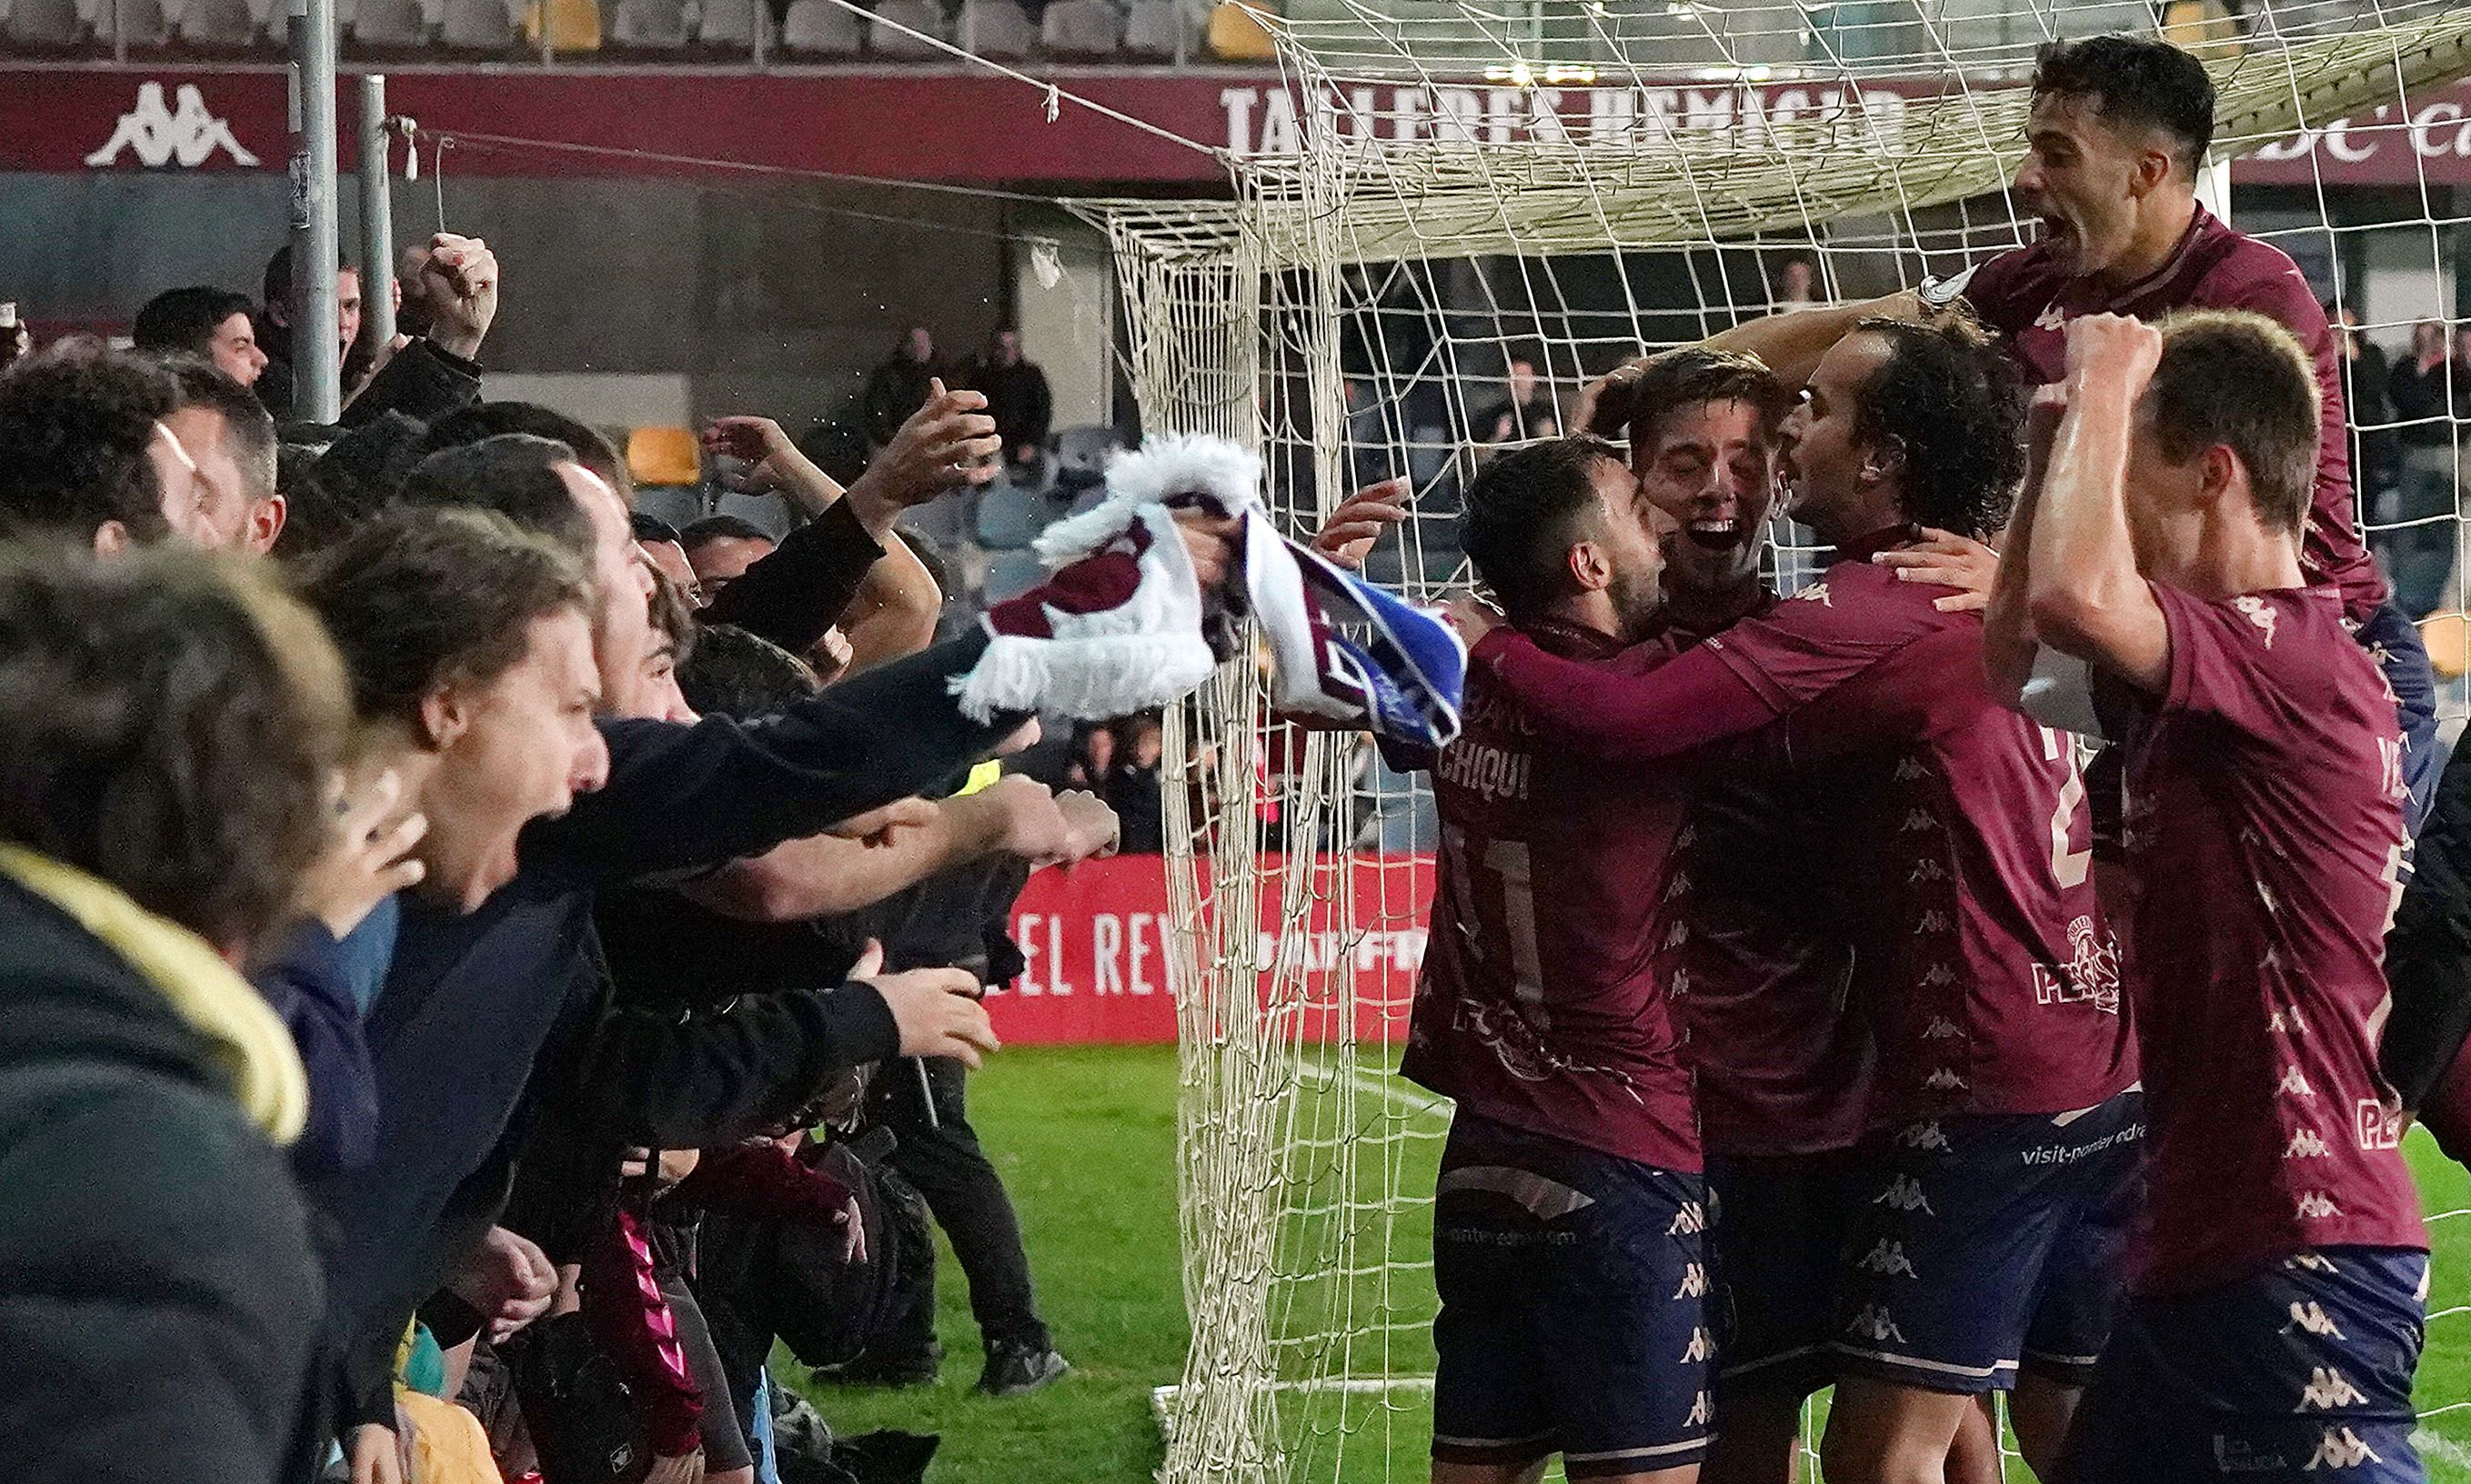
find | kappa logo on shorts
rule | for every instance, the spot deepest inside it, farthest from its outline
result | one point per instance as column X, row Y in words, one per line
column 1694, row 1281
column 2341, row 1448
column 1702, row 1412
column 2307, row 1145
column 1877, row 1325
column 2328, row 1388
column 2310, row 1263
column 1924, row 1136
column 2312, row 1317
column 2316, row 1206
column 1904, row 1193
column 1701, row 1346
column 1691, row 1218
column 1888, row 1259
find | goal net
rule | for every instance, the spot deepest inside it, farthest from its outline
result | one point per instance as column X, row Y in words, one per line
column 1445, row 192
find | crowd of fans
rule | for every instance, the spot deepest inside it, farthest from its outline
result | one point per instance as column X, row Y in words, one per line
column 481, row 965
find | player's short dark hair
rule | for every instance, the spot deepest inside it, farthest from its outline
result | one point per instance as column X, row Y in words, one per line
column 1637, row 404
column 735, row 673
column 186, row 318
column 169, row 721
column 77, row 421
column 332, row 489
column 651, row 528
column 488, row 420
column 2238, row 379
column 2134, row 81
column 1520, row 517
column 1950, row 403
column 421, row 598
column 721, row 527
column 276, row 285
column 245, row 420
column 514, row 474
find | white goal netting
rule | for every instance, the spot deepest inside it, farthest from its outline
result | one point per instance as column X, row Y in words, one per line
column 1446, row 190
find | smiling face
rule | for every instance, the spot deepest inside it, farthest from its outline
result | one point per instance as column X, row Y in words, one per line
column 1710, row 468
column 2081, row 175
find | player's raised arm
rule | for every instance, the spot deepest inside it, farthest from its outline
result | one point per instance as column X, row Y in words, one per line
column 1792, row 340
column 2083, row 592
column 2009, row 641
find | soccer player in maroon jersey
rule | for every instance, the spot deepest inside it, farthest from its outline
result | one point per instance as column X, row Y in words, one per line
column 2002, row 1123
column 2119, row 128
column 1569, row 1214
column 2281, row 1273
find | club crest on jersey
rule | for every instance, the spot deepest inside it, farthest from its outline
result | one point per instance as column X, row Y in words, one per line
column 1888, row 1260
column 2259, row 613
column 1904, row 1193
column 2341, row 1449
column 2311, row 1317
column 2328, row 1388
column 1877, row 1325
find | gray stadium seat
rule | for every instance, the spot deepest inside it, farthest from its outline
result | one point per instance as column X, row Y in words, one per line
column 921, row 16
column 1150, row 28
column 389, row 23
column 727, row 24
column 1012, row 575
column 476, row 26
column 221, row 24
column 997, row 28
column 1010, row 518
column 820, row 27
column 658, row 25
column 44, row 23
column 1082, row 28
column 141, row 23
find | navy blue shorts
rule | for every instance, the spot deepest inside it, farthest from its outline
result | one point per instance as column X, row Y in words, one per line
column 2393, row 642
column 2297, row 1372
column 1776, row 1238
column 1979, row 1244
column 1571, row 1321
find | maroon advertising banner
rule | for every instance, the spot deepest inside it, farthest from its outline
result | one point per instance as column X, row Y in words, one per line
column 1098, row 938
column 964, row 128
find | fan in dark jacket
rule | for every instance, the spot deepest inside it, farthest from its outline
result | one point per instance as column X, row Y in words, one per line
column 167, row 728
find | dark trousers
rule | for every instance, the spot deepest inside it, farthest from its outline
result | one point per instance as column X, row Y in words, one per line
column 940, row 1155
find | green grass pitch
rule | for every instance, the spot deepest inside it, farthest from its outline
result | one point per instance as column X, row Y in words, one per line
column 1085, row 1140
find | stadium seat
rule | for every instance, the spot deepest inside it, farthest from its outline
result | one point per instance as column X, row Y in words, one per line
column 1082, row 28
column 573, row 25
column 1236, row 34
column 141, row 23
column 219, row 25
column 389, row 23
column 1012, row 575
column 727, row 25
column 653, row 25
column 920, row 16
column 998, row 28
column 44, row 23
column 821, row 28
column 1010, row 517
column 663, row 456
column 1152, row 28
column 476, row 26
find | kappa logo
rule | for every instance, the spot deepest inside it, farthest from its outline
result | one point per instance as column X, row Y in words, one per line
column 1691, row 1218
column 2258, row 612
column 2310, row 1263
column 2327, row 1389
column 2312, row 1317
column 1940, row 1029
column 1888, row 1260
column 2295, row 1084
column 1924, row 1136
column 1932, row 921
column 1938, row 976
column 1678, row 886
column 1702, row 1412
column 1700, row 1346
column 1694, row 1281
column 2306, row 1145
column 1904, row 1193
column 1877, row 1325
column 2051, row 319
column 2314, row 1206
column 1689, row 837
column 2285, row 1021
column 1817, row 593
column 187, row 137
column 1910, row 769
column 2341, row 1448
column 1945, row 1080
column 1679, row 988
column 1926, row 870
column 1680, row 935
column 1920, row 820
column 2265, row 894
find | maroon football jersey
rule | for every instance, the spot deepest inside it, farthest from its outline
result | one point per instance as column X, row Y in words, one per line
column 2023, row 295
column 1980, row 955
column 2265, row 814
column 1539, row 1006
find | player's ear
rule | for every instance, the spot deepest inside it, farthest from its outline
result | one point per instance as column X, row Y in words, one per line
column 2221, row 469
column 1589, row 566
column 2152, row 167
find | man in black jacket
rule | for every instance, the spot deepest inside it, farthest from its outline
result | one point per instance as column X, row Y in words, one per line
column 167, row 731
column 425, row 376
column 1017, row 397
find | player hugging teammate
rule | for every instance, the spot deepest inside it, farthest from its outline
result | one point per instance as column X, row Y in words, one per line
column 1789, row 1044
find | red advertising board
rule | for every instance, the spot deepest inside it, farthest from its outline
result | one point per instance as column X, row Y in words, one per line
column 929, row 125
column 1098, row 941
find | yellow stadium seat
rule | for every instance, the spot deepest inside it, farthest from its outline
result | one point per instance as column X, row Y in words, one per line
column 663, row 456
column 573, row 25
column 1236, row 34
column 2205, row 27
